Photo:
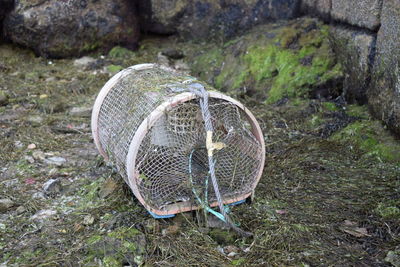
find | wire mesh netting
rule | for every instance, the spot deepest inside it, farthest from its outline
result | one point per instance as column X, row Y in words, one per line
column 171, row 160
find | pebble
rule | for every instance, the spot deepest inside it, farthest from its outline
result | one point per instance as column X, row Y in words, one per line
column 229, row 249
column 50, row 79
column 43, row 214
column 18, row 144
column 57, row 161
column 81, row 111
column 5, row 204
column 31, row 146
column 232, row 254
column 52, row 186
column 88, row 220
column 38, row 155
column 20, row 210
column 38, row 195
column 84, row 62
column 29, row 159
column 35, row 119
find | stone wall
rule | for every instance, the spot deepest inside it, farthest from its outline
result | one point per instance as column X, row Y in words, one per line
column 366, row 37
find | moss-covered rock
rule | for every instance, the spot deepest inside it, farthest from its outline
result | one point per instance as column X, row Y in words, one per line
column 273, row 61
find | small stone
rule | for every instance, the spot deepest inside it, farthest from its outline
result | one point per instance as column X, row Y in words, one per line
column 50, row 79
column 18, row 144
column 3, row 98
column 220, row 250
column 53, row 171
column 232, row 254
column 29, row 159
column 43, row 96
column 88, row 220
column 81, row 111
column 57, row 161
column 2, row 227
column 38, row 155
column 5, row 204
column 38, row 195
column 43, row 214
column 230, row 248
column 52, row 186
column 84, row 62
column 20, row 210
column 35, row 119
column 31, row 146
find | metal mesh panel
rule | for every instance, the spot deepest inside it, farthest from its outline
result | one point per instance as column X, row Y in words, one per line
column 176, row 140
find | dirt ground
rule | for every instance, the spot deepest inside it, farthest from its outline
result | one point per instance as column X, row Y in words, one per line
column 329, row 195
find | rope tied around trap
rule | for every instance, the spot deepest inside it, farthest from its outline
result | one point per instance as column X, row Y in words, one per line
column 200, row 91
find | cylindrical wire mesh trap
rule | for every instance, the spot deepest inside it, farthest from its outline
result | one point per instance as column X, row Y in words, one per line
column 147, row 123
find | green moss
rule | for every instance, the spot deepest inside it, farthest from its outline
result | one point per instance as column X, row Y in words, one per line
column 371, row 138
column 205, row 64
column 316, row 120
column 284, row 70
column 388, row 210
column 123, row 233
column 329, row 106
column 357, row 111
column 222, row 236
column 94, row 239
column 238, row 262
column 120, row 52
column 114, row 68
column 87, row 47
column 110, row 261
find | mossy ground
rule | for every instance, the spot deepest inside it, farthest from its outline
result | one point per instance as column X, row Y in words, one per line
column 322, row 170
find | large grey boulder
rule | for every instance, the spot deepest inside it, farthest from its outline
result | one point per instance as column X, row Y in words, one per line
column 355, row 51
column 319, row 8
column 361, row 13
column 56, row 28
column 210, row 18
column 384, row 92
